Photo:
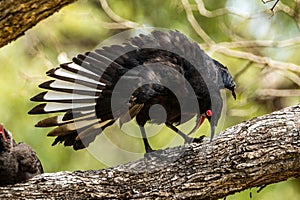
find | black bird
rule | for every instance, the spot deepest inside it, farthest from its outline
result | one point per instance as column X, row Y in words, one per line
column 122, row 82
column 18, row 162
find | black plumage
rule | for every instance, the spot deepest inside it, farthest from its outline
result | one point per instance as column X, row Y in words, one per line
column 124, row 81
column 18, row 162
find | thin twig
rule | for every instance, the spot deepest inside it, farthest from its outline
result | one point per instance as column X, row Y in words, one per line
column 239, row 73
column 272, row 9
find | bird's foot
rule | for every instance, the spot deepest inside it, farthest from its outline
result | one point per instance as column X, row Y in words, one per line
column 195, row 140
column 153, row 153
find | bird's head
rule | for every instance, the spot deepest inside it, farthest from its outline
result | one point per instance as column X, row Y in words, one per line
column 3, row 133
column 226, row 78
column 5, row 139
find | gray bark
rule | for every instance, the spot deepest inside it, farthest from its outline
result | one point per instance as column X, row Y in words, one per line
column 257, row 152
column 17, row 16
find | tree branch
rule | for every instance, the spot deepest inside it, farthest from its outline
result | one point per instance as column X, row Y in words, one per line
column 254, row 153
column 196, row 26
column 17, row 16
column 120, row 23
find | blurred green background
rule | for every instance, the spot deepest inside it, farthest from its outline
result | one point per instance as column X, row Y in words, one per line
column 83, row 25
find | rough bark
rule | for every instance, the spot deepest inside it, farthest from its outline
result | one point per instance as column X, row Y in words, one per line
column 254, row 153
column 17, row 16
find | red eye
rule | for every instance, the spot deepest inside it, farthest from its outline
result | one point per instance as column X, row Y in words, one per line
column 209, row 113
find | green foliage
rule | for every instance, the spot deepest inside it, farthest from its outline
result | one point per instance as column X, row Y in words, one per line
column 80, row 27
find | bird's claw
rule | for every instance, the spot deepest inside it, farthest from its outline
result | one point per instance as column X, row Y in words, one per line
column 195, row 140
column 152, row 154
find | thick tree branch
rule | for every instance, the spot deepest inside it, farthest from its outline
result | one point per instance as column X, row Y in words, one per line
column 17, row 16
column 254, row 153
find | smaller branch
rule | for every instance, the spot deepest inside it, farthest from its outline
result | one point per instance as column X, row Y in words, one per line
column 261, row 43
column 123, row 23
column 239, row 73
column 114, row 25
column 292, row 12
column 278, row 93
column 291, row 76
column 286, row 9
column 203, row 11
column 216, row 13
column 194, row 23
column 257, row 59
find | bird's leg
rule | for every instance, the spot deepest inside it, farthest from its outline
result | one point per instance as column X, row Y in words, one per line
column 145, row 140
column 201, row 120
column 186, row 138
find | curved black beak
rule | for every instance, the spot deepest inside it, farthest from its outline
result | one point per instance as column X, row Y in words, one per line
column 233, row 92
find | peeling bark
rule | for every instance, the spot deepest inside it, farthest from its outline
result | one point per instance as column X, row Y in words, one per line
column 17, row 16
column 254, row 153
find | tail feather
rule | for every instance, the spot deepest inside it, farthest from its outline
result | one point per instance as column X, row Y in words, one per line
column 99, row 60
column 65, row 129
column 80, row 71
column 71, row 127
column 62, row 97
column 64, row 75
column 62, row 119
column 53, row 107
column 68, row 140
column 71, row 87
column 97, row 70
column 75, row 66
column 90, row 64
column 98, row 64
column 92, row 128
column 80, row 139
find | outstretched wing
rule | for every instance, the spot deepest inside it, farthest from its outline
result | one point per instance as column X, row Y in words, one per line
column 82, row 90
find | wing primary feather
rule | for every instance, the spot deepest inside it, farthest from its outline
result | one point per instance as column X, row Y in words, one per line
column 60, row 107
column 93, row 85
column 61, row 97
column 67, row 67
column 99, row 69
column 70, row 127
column 60, row 85
column 60, row 120
column 100, row 126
